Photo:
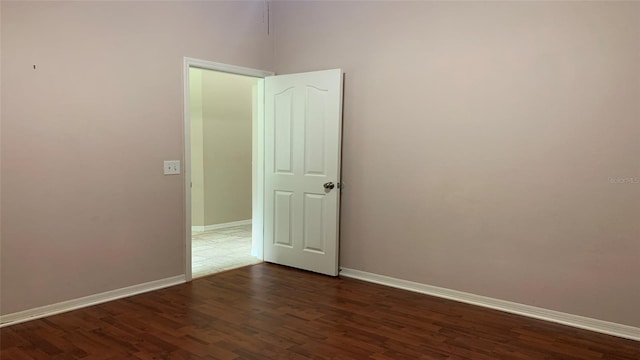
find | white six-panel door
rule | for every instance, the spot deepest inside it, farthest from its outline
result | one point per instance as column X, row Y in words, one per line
column 303, row 122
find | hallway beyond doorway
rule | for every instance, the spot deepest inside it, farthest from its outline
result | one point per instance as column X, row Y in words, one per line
column 222, row 249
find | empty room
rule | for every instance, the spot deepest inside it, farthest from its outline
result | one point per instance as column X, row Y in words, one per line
column 505, row 226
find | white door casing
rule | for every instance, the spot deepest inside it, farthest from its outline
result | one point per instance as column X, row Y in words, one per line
column 258, row 126
column 303, row 125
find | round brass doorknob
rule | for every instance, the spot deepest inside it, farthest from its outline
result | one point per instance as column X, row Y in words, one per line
column 328, row 186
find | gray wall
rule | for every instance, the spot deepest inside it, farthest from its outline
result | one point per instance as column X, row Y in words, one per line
column 479, row 139
column 85, row 206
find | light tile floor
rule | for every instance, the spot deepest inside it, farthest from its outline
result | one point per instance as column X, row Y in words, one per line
column 219, row 250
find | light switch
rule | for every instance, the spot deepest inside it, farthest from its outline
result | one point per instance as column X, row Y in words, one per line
column 172, row 167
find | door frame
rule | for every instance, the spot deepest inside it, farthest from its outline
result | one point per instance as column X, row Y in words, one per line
column 257, row 169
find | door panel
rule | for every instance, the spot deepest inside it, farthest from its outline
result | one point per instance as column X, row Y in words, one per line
column 303, row 122
column 283, row 218
column 314, row 236
column 283, row 129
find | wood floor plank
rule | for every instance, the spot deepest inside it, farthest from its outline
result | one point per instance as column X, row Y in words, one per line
column 267, row 311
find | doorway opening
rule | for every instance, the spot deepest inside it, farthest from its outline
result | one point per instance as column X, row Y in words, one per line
column 222, row 177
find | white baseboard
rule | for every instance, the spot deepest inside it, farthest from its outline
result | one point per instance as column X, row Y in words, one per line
column 200, row 228
column 601, row 326
column 53, row 309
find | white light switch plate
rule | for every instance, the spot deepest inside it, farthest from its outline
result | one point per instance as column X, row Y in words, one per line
column 172, row 167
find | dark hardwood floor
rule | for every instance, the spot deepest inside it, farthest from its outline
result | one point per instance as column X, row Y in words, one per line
column 271, row 312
